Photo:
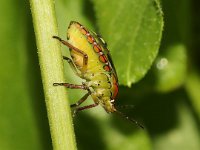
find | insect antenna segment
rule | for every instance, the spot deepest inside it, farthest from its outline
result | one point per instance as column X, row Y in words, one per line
column 125, row 106
column 129, row 118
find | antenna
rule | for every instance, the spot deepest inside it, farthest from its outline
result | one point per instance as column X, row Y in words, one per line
column 124, row 106
column 130, row 119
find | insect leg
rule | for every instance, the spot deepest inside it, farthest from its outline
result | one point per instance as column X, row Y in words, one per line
column 72, row 86
column 79, row 102
column 76, row 110
column 85, row 56
column 87, row 107
column 84, row 108
column 72, row 66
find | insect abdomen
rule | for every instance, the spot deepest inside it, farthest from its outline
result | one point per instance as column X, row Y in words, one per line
column 82, row 39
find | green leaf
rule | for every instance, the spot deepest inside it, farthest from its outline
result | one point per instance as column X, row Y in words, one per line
column 133, row 31
column 170, row 69
column 192, row 86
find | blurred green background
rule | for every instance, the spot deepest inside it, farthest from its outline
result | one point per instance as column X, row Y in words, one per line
column 166, row 99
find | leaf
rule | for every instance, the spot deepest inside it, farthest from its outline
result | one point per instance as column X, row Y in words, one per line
column 192, row 86
column 133, row 31
column 170, row 68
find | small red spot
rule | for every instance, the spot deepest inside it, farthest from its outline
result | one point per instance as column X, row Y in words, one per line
column 84, row 31
column 90, row 39
column 107, row 68
column 97, row 48
column 103, row 58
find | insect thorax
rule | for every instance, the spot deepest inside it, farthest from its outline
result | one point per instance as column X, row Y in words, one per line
column 103, row 89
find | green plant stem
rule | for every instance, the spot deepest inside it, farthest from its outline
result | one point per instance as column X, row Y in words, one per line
column 50, row 59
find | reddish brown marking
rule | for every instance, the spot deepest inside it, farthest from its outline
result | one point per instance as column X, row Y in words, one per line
column 97, row 48
column 115, row 87
column 103, row 58
column 90, row 39
column 107, row 68
column 84, row 31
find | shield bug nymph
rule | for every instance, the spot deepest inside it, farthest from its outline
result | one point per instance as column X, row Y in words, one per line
column 91, row 61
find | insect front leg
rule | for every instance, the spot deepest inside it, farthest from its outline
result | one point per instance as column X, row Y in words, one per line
column 72, row 86
column 85, row 56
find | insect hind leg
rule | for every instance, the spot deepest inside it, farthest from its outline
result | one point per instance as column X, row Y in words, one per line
column 79, row 102
column 84, row 108
column 72, row 66
column 84, row 55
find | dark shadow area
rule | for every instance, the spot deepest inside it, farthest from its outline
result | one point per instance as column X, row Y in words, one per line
column 123, row 125
column 156, row 112
column 35, row 84
column 195, row 40
column 88, row 134
column 159, row 112
column 89, row 12
column 172, row 32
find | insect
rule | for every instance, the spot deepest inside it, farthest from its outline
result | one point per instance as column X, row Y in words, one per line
column 92, row 62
